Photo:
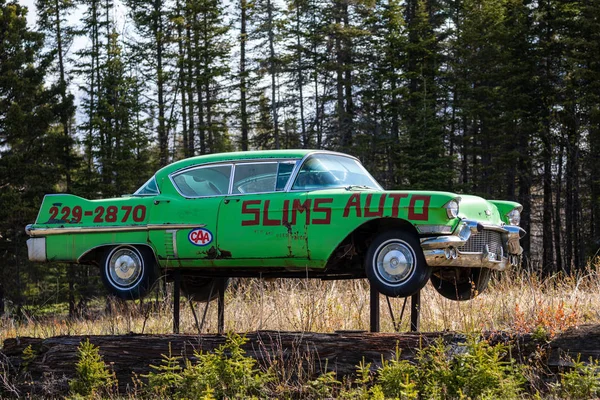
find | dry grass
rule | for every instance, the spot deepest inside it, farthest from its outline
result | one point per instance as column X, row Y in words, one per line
column 515, row 302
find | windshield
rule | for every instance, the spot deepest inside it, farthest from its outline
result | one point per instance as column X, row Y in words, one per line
column 323, row 171
column 147, row 189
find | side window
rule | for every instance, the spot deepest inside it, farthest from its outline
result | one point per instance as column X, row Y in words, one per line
column 255, row 177
column 204, row 181
column 283, row 174
column 314, row 175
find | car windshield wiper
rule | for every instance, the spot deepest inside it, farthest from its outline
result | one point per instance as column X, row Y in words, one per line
column 352, row 187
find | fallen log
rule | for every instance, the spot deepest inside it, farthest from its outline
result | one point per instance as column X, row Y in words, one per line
column 53, row 359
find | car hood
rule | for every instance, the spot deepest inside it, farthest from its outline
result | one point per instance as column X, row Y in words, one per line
column 480, row 209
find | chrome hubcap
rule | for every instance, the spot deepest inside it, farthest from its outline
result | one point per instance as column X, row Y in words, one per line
column 125, row 267
column 395, row 261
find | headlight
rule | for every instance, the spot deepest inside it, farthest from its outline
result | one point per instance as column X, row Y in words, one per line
column 514, row 217
column 452, row 208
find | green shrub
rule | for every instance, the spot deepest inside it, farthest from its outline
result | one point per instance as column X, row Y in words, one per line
column 224, row 373
column 398, row 379
column 227, row 372
column 92, row 377
column 475, row 371
column 361, row 388
column 28, row 357
column 324, row 386
column 167, row 379
column 580, row 382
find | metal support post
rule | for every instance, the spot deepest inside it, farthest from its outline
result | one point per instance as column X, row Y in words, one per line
column 221, row 306
column 374, row 317
column 415, row 310
column 176, row 298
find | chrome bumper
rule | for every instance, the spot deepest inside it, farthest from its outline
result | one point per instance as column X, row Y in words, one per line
column 442, row 251
column 36, row 249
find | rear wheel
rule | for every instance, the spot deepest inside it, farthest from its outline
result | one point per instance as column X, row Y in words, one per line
column 128, row 272
column 461, row 283
column 202, row 289
column 395, row 264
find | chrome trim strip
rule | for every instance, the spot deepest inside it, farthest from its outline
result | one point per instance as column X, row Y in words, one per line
column 33, row 232
column 442, row 242
column 173, row 233
column 437, row 258
column 240, row 161
column 117, row 244
column 434, row 229
column 231, row 179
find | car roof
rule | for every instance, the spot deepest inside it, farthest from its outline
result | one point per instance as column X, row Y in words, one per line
column 239, row 155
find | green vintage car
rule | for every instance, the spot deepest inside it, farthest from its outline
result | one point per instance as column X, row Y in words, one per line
column 284, row 213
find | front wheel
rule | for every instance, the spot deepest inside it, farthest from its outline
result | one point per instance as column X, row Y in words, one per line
column 128, row 271
column 395, row 264
column 463, row 284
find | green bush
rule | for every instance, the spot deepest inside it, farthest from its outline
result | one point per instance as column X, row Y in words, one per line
column 167, row 379
column 474, row 370
column 225, row 373
column 582, row 381
column 398, row 379
column 92, row 377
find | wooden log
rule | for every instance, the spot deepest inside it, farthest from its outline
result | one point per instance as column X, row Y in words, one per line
column 130, row 354
column 55, row 357
column 579, row 342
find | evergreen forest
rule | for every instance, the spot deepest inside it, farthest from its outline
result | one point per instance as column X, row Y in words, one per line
column 499, row 98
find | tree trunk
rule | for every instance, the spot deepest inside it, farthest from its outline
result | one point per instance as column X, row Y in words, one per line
column 243, row 82
column 548, row 264
column 305, row 139
column 273, row 72
column 190, row 145
column 2, row 307
column 182, row 83
column 558, row 221
column 64, row 112
column 163, row 140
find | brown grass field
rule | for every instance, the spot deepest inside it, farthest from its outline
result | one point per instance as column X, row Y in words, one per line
column 515, row 302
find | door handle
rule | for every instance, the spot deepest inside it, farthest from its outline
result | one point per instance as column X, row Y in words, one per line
column 226, row 201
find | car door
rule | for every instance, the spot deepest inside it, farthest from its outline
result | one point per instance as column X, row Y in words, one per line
column 259, row 220
column 186, row 213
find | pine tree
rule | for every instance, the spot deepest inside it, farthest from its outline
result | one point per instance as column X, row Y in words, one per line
column 30, row 144
column 263, row 138
column 424, row 157
column 89, row 68
column 266, row 35
column 154, row 30
column 53, row 18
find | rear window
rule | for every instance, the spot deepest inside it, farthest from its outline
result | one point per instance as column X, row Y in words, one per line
column 148, row 189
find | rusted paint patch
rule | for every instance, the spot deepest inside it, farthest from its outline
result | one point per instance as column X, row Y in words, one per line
column 215, row 254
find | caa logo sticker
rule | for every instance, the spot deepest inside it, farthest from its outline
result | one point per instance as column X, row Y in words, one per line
column 200, row 237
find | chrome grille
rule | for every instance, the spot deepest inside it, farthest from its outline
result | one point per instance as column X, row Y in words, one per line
column 477, row 242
